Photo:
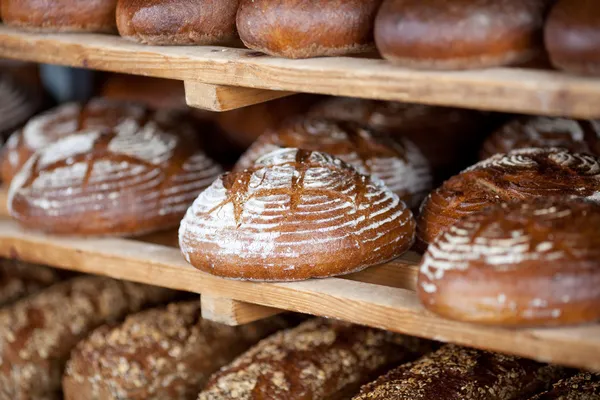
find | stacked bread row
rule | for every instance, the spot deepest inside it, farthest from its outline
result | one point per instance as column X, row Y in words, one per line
column 431, row 35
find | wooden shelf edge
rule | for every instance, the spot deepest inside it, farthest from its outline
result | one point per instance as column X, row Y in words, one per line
column 232, row 312
column 502, row 89
column 225, row 98
column 358, row 302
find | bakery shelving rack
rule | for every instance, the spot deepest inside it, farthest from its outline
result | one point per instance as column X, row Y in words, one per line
column 221, row 79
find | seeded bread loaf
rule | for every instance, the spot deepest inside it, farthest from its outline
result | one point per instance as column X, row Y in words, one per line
column 161, row 354
column 37, row 333
column 319, row 360
column 19, row 279
column 459, row 373
column 583, row 386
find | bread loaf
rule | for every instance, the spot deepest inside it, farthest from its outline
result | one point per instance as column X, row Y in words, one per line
column 295, row 215
column 572, row 36
column 583, row 386
column 19, row 279
column 319, row 360
column 518, row 175
column 459, row 373
column 17, row 103
column 400, row 165
column 61, row 15
column 161, row 354
column 303, row 29
column 433, row 35
column 522, row 133
column 529, row 263
column 178, row 22
column 38, row 332
column 135, row 178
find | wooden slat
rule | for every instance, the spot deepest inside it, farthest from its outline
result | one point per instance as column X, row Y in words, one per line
column 501, row 89
column 233, row 312
column 363, row 303
column 224, row 98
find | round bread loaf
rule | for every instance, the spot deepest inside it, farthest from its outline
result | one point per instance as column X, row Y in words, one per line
column 518, row 175
column 161, row 354
column 133, row 179
column 20, row 279
column 17, row 104
column 435, row 35
column 319, row 359
column 400, row 165
column 522, row 133
column 295, row 215
column 523, row 263
column 459, row 373
column 447, row 137
column 61, row 15
column 303, row 29
column 178, row 22
column 583, row 386
column 38, row 332
column 572, row 36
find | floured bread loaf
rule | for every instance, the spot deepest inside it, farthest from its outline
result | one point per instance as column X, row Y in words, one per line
column 400, row 165
column 518, row 175
column 17, row 103
column 19, row 279
column 295, row 215
column 160, row 354
column 319, row 360
column 135, row 178
column 459, row 373
column 522, row 133
column 502, row 265
column 583, row 386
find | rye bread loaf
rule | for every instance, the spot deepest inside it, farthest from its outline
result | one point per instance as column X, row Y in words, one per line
column 37, row 333
column 583, row 386
column 459, row 373
column 161, row 354
column 319, row 360
column 19, row 279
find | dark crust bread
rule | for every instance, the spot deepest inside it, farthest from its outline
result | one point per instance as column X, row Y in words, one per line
column 518, row 175
column 572, row 36
column 38, row 332
column 303, row 29
column 436, row 35
column 178, row 22
column 583, row 386
column 61, row 15
column 528, row 263
column 19, row 279
column 319, row 359
column 295, row 215
column 156, row 93
column 161, row 354
column 526, row 132
column 459, row 373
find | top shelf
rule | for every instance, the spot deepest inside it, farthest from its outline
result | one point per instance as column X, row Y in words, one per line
column 531, row 91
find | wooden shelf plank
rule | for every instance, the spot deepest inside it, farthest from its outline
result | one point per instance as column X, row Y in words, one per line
column 359, row 302
column 233, row 312
column 224, row 98
column 501, row 89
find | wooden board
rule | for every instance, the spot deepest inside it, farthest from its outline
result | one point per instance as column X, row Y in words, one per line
column 224, row 98
column 233, row 312
column 501, row 89
column 379, row 306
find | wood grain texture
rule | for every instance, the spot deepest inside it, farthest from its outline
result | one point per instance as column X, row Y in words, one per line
column 503, row 89
column 363, row 303
column 225, row 98
column 233, row 312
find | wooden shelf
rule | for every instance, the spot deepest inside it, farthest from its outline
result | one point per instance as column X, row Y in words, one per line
column 502, row 89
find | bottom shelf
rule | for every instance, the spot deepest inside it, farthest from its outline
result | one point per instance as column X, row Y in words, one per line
column 381, row 297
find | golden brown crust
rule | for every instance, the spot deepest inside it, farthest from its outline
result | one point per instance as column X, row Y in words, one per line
column 295, row 215
column 435, row 35
column 527, row 263
column 178, row 22
column 526, row 132
column 61, row 15
column 161, row 354
column 518, row 175
column 572, row 36
column 320, row 359
column 459, row 373
column 303, row 29
column 583, row 386
column 19, row 279
column 38, row 333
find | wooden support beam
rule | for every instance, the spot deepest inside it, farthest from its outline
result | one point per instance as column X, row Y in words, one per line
column 233, row 312
column 224, row 98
